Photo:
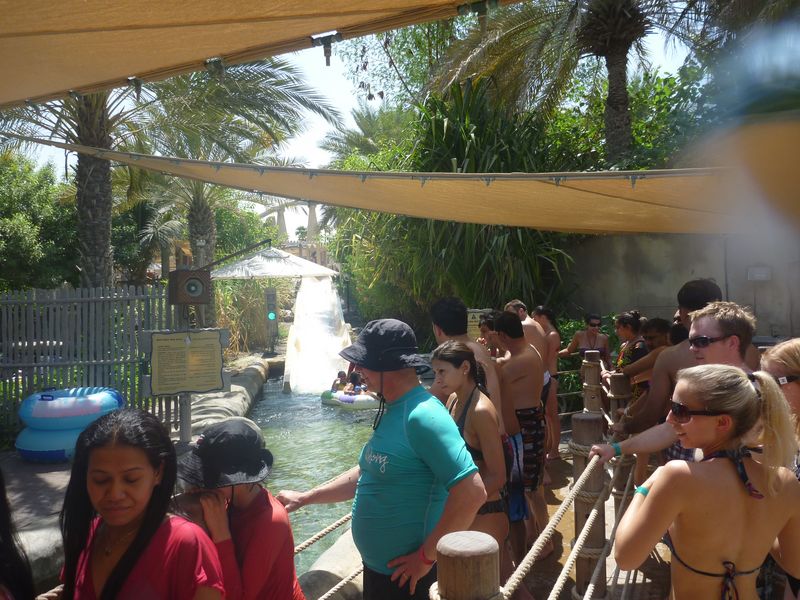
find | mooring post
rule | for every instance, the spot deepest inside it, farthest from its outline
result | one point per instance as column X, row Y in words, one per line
column 587, row 429
column 619, row 397
column 592, row 390
column 468, row 567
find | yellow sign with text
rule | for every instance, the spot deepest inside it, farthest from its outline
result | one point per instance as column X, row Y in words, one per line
column 186, row 362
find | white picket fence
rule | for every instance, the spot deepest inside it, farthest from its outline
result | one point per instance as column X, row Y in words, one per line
column 78, row 337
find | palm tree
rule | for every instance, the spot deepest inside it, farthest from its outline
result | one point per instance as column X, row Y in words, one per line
column 268, row 95
column 93, row 120
column 531, row 50
column 373, row 129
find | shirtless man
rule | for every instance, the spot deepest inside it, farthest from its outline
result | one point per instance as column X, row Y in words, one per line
column 720, row 333
column 534, row 332
column 449, row 316
column 521, row 373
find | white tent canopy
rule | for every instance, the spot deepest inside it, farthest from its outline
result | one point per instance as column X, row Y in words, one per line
column 271, row 262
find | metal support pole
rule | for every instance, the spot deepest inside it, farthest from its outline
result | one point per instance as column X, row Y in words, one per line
column 185, row 416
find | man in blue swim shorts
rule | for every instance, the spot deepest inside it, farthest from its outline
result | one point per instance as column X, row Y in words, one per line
column 415, row 480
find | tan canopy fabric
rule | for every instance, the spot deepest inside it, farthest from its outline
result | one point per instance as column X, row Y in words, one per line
column 666, row 201
column 48, row 49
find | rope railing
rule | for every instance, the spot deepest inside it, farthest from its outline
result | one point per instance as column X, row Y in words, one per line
column 611, row 538
column 318, row 536
column 341, row 584
column 577, row 548
column 524, row 567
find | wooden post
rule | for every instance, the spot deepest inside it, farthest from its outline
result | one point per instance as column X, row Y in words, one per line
column 619, row 397
column 468, row 566
column 185, row 416
column 592, row 390
column 587, row 429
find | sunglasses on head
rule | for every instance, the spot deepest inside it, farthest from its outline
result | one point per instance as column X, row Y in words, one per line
column 594, row 324
column 703, row 341
column 682, row 414
column 787, row 379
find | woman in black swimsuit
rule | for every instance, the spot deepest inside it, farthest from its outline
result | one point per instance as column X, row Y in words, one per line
column 724, row 514
column 457, row 375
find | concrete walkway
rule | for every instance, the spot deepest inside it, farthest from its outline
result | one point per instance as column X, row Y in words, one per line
column 36, row 491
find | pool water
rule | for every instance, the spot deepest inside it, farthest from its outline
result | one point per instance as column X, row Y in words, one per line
column 311, row 443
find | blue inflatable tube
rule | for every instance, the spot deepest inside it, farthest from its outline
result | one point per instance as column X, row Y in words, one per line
column 47, row 445
column 68, row 409
column 55, row 419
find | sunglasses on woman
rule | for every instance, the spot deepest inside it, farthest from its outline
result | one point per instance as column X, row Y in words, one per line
column 787, row 379
column 682, row 414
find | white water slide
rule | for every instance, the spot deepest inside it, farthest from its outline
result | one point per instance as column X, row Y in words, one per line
column 315, row 339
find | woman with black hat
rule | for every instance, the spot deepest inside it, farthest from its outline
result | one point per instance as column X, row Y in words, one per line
column 249, row 527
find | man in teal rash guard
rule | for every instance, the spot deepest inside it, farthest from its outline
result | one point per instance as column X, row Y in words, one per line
column 415, row 480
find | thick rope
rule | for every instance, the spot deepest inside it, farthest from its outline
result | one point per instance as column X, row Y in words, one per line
column 317, row 537
column 522, row 569
column 609, row 420
column 576, row 550
column 607, row 548
column 342, row 583
column 579, row 449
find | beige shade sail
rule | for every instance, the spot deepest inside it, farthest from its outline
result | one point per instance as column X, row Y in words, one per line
column 664, row 201
column 271, row 262
column 48, row 48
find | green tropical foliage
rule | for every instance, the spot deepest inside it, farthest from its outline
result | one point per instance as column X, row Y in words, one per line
column 399, row 265
column 238, row 227
column 668, row 113
column 265, row 99
column 397, row 65
column 37, row 227
column 531, row 50
column 374, row 127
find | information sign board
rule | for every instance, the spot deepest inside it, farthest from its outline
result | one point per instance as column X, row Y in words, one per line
column 189, row 361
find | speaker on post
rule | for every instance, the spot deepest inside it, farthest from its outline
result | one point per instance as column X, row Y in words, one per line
column 189, row 287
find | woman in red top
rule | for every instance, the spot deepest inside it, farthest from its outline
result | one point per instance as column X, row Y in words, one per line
column 119, row 541
column 248, row 525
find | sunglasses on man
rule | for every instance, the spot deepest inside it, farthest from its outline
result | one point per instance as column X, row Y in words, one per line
column 703, row 341
column 682, row 414
column 594, row 324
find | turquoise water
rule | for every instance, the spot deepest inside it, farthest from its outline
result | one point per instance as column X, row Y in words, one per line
column 311, row 443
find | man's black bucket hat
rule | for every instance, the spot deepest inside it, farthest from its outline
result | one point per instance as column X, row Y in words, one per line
column 385, row 345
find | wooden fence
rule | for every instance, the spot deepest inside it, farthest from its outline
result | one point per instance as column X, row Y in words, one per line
column 79, row 337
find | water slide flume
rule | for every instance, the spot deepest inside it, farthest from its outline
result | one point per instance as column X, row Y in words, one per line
column 315, row 338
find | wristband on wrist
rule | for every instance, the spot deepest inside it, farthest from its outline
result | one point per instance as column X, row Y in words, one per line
column 617, row 448
column 640, row 489
column 425, row 558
